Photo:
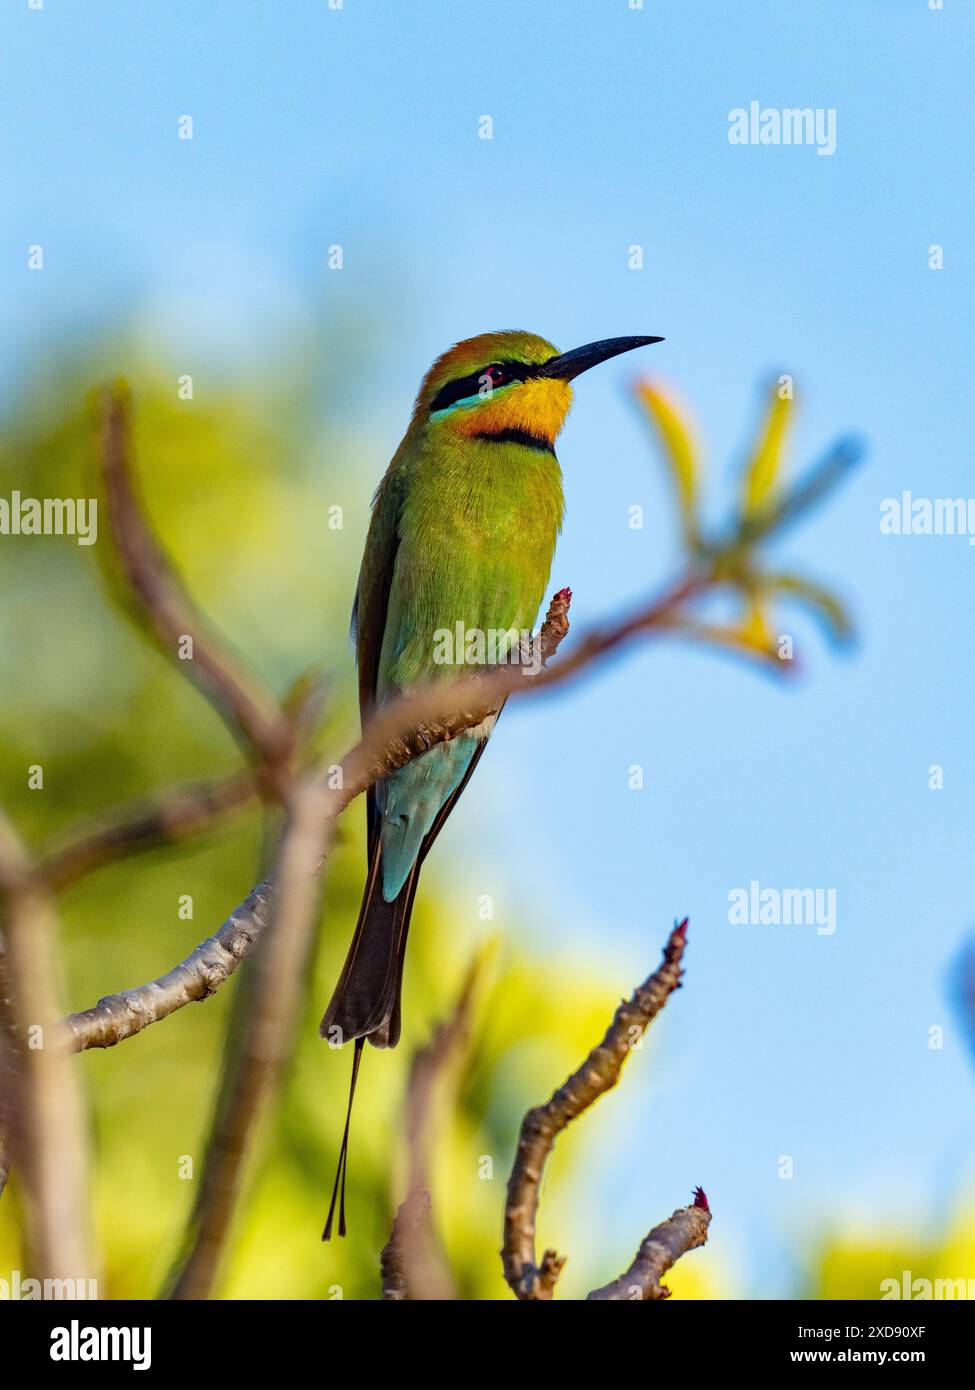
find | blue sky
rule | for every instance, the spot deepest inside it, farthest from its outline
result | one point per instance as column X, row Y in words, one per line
column 359, row 126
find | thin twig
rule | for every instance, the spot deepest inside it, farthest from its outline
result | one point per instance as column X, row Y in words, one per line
column 541, row 1125
column 413, row 1264
column 250, row 711
column 175, row 816
column 43, row 1106
column 662, row 1248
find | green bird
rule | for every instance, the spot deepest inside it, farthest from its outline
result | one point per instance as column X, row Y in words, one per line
column 463, row 531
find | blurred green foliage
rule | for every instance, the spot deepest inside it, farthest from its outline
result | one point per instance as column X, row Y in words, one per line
column 856, row 1263
column 238, row 482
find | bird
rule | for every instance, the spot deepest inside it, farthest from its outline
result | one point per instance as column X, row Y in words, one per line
column 462, row 531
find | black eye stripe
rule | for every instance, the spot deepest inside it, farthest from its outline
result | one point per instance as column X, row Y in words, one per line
column 470, row 385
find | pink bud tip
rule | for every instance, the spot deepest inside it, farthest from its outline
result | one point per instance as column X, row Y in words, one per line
column 680, row 931
column 564, row 595
column 700, row 1200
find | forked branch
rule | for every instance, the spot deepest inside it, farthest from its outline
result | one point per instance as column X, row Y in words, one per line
column 412, row 1263
column 529, row 1279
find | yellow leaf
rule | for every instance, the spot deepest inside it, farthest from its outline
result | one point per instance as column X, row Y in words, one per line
column 678, row 445
column 821, row 600
column 766, row 459
column 745, row 639
column 754, row 629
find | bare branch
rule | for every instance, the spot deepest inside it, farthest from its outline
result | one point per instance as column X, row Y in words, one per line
column 662, row 1248
column 402, row 730
column 255, row 1058
column 176, row 815
column 42, row 1102
column 8, row 1076
column 250, row 711
column 413, row 1264
column 541, row 1126
column 120, row 1016
column 4, row 1157
column 410, row 1232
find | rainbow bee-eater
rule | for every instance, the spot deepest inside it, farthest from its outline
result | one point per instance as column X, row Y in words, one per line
column 462, row 534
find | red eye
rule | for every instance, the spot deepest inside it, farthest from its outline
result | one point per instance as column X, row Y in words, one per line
column 496, row 375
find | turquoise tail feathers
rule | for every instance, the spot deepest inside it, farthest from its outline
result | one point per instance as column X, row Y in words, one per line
column 410, row 802
column 366, row 1000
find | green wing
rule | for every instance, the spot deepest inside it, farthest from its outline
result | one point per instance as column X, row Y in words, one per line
column 370, row 608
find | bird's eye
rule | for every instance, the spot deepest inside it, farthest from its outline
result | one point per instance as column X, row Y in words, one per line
column 477, row 384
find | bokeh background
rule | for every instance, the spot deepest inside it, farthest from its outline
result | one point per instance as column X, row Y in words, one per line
column 316, row 127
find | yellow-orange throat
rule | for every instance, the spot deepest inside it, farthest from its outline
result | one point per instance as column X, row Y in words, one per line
column 537, row 407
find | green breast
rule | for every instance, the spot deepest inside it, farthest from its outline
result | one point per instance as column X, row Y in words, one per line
column 477, row 533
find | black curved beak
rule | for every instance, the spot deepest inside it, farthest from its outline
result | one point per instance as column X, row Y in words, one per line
column 571, row 364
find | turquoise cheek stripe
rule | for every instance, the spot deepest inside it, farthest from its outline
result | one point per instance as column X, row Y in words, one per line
column 467, row 401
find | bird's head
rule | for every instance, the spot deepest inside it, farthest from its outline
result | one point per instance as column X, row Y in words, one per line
column 501, row 382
